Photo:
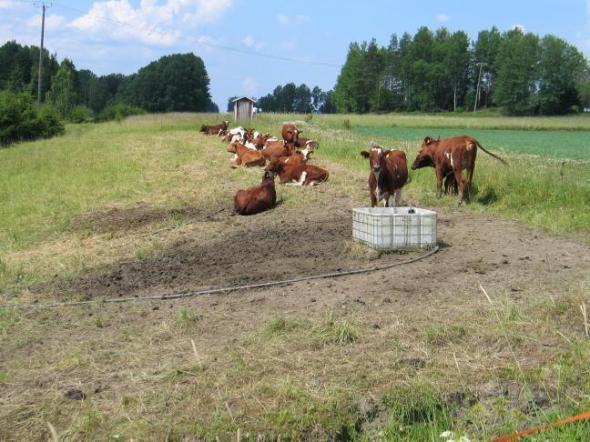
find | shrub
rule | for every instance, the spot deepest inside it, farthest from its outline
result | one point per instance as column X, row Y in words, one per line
column 118, row 112
column 20, row 120
column 80, row 114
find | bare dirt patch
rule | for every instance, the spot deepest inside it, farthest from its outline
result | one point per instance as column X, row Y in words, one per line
column 116, row 219
column 281, row 245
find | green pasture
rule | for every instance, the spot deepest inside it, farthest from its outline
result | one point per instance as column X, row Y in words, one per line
column 573, row 145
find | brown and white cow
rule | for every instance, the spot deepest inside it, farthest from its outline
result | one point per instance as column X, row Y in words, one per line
column 389, row 173
column 257, row 141
column 450, row 156
column 290, row 133
column 300, row 174
column 216, row 129
column 298, row 157
column 258, row 198
column 277, row 148
column 245, row 156
column 307, row 142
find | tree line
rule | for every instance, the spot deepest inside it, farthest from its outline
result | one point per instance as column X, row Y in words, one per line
column 298, row 99
column 177, row 82
column 519, row 72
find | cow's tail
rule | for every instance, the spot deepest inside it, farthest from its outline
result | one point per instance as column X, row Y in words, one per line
column 502, row 160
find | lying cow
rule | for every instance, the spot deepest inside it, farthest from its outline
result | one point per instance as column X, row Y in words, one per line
column 216, row 129
column 307, row 142
column 451, row 156
column 300, row 174
column 277, row 148
column 258, row 198
column 245, row 156
column 258, row 141
column 290, row 133
column 389, row 173
column 298, row 157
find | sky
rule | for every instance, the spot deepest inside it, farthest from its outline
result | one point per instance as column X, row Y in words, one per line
column 251, row 46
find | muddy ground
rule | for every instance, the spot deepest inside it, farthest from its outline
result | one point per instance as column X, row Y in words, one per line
column 280, row 245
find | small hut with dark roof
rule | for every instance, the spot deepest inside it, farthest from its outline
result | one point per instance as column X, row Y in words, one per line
column 243, row 108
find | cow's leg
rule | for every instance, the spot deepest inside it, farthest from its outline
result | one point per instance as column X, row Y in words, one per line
column 439, row 180
column 470, row 171
column 460, row 185
column 373, row 194
column 398, row 197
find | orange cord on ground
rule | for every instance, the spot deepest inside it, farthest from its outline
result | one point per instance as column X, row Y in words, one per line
column 520, row 434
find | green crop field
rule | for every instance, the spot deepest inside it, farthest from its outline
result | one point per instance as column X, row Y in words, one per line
column 573, row 145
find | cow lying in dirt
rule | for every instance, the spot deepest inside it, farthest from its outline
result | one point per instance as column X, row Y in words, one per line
column 389, row 173
column 297, row 173
column 245, row 156
column 215, row 130
column 451, row 156
column 258, row 198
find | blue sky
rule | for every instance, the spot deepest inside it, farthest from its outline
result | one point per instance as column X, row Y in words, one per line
column 109, row 36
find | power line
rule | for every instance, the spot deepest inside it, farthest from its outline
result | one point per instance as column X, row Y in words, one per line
column 208, row 44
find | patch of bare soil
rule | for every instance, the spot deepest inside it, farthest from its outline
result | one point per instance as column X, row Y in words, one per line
column 131, row 218
column 245, row 250
column 505, row 257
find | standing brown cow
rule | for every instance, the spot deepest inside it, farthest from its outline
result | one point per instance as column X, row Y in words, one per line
column 389, row 173
column 451, row 156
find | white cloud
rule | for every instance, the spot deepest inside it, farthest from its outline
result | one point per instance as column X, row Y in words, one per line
column 519, row 27
column 52, row 22
column 8, row 4
column 151, row 22
column 441, row 18
column 249, row 86
column 298, row 19
column 251, row 42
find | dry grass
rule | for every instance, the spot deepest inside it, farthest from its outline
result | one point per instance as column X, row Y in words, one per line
column 283, row 362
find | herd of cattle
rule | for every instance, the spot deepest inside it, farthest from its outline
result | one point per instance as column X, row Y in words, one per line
column 287, row 158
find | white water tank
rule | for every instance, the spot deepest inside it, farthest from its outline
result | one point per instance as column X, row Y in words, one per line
column 394, row 228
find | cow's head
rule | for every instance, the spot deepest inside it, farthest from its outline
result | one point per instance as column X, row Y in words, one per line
column 312, row 144
column 249, row 134
column 425, row 157
column 275, row 166
column 291, row 133
column 306, row 154
column 375, row 156
column 225, row 124
column 268, row 175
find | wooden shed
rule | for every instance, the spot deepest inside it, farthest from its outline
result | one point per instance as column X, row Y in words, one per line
column 244, row 108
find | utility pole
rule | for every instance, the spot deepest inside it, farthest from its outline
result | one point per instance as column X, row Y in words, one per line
column 40, row 79
column 481, row 65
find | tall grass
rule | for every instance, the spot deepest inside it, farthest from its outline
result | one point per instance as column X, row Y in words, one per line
column 541, row 191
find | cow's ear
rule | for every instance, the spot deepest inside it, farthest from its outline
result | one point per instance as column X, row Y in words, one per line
column 385, row 152
column 427, row 140
column 365, row 154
